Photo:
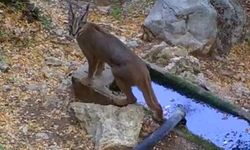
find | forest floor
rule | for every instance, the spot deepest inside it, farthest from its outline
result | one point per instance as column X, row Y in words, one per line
column 34, row 96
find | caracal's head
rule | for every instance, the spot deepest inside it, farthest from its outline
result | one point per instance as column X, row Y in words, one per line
column 77, row 22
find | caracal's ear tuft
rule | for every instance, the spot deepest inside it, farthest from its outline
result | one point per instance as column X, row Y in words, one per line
column 70, row 12
column 85, row 15
column 87, row 7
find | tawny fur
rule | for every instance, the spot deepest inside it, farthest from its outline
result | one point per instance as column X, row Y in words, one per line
column 128, row 69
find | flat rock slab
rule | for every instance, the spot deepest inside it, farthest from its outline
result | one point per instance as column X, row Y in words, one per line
column 97, row 92
column 111, row 127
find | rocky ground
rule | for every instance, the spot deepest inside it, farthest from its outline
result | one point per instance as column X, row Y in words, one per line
column 36, row 59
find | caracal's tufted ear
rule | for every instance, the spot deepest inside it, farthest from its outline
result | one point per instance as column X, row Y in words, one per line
column 71, row 15
column 85, row 14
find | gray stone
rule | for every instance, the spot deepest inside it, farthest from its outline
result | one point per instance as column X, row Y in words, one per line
column 42, row 135
column 6, row 88
column 190, row 23
column 35, row 87
column 162, row 54
column 52, row 61
column 4, row 67
column 177, row 61
column 111, row 127
column 24, row 129
column 65, row 84
column 104, row 9
column 132, row 44
column 98, row 90
column 159, row 46
column 198, row 25
column 187, row 67
column 59, row 32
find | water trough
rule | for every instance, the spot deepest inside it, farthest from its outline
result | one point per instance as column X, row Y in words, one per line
column 208, row 116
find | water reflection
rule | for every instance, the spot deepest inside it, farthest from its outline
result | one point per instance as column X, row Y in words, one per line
column 224, row 130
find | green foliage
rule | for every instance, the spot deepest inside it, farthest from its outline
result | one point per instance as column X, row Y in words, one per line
column 2, row 34
column 2, row 58
column 196, row 139
column 116, row 9
column 116, row 12
column 16, row 4
column 46, row 21
column 1, row 147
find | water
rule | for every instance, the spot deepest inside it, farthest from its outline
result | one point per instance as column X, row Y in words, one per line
column 224, row 130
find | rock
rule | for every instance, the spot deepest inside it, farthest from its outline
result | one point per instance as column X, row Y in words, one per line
column 231, row 21
column 59, row 32
column 187, row 67
column 4, row 67
column 6, row 88
column 241, row 89
column 104, row 9
column 72, row 65
column 52, row 61
column 35, row 87
column 24, row 129
column 161, row 54
column 65, row 84
column 177, row 61
column 132, row 44
column 189, row 23
column 111, row 127
column 159, row 46
column 42, row 135
column 98, row 91
column 202, row 81
column 194, row 24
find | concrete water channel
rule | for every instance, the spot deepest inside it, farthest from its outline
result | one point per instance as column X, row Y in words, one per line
column 222, row 129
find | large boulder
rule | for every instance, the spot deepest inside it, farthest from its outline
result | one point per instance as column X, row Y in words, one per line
column 190, row 23
column 231, row 21
column 111, row 127
column 198, row 25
